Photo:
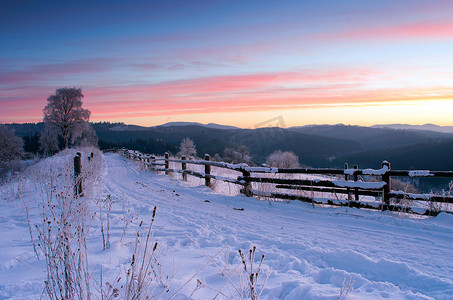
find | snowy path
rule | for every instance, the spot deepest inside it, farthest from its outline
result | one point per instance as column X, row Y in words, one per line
column 310, row 251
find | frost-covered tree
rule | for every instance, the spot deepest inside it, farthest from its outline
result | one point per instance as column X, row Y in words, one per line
column 286, row 159
column 84, row 135
column 48, row 140
column 187, row 148
column 65, row 113
column 11, row 146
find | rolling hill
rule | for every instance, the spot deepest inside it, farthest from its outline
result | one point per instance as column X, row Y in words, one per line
column 316, row 145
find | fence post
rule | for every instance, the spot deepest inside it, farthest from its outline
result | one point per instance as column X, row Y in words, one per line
column 247, row 190
column 386, row 179
column 356, row 190
column 147, row 163
column 152, row 162
column 184, row 167
column 77, row 178
column 167, row 163
column 207, row 171
column 346, row 178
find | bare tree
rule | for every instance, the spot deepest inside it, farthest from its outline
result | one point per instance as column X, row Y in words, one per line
column 187, row 148
column 11, row 146
column 64, row 111
column 286, row 159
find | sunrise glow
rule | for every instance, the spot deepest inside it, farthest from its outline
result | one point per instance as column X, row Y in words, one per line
column 236, row 63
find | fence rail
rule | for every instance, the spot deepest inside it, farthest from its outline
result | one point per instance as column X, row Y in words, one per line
column 347, row 181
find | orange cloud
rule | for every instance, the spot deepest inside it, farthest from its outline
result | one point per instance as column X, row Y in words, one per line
column 249, row 95
column 233, row 93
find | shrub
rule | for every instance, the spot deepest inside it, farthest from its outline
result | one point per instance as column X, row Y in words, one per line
column 398, row 185
column 187, row 148
column 286, row 159
column 241, row 155
column 65, row 223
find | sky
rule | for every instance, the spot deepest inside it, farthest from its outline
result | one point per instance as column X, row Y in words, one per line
column 241, row 63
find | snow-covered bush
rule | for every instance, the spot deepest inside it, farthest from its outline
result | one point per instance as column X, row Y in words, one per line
column 434, row 208
column 398, row 185
column 286, row 159
column 187, row 148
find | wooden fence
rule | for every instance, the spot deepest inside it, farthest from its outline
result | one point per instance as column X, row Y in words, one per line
column 356, row 183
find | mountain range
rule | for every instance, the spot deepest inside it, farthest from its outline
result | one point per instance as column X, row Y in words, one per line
column 316, row 145
column 432, row 127
column 406, row 147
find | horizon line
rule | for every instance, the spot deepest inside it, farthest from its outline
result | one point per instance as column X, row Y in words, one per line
column 188, row 123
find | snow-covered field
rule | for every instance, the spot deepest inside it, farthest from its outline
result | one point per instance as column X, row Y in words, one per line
column 310, row 253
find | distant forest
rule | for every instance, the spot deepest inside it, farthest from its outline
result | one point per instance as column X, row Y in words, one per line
column 317, row 146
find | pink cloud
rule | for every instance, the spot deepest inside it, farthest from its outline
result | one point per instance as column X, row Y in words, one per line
column 254, row 92
column 220, row 86
column 415, row 30
column 126, row 109
column 234, row 93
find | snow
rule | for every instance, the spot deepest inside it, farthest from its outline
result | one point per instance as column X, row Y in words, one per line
column 310, row 252
column 359, row 184
column 420, row 173
column 350, row 171
column 261, row 169
column 413, row 196
column 378, row 172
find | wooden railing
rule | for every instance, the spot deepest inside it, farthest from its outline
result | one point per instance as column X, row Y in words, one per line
column 333, row 182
